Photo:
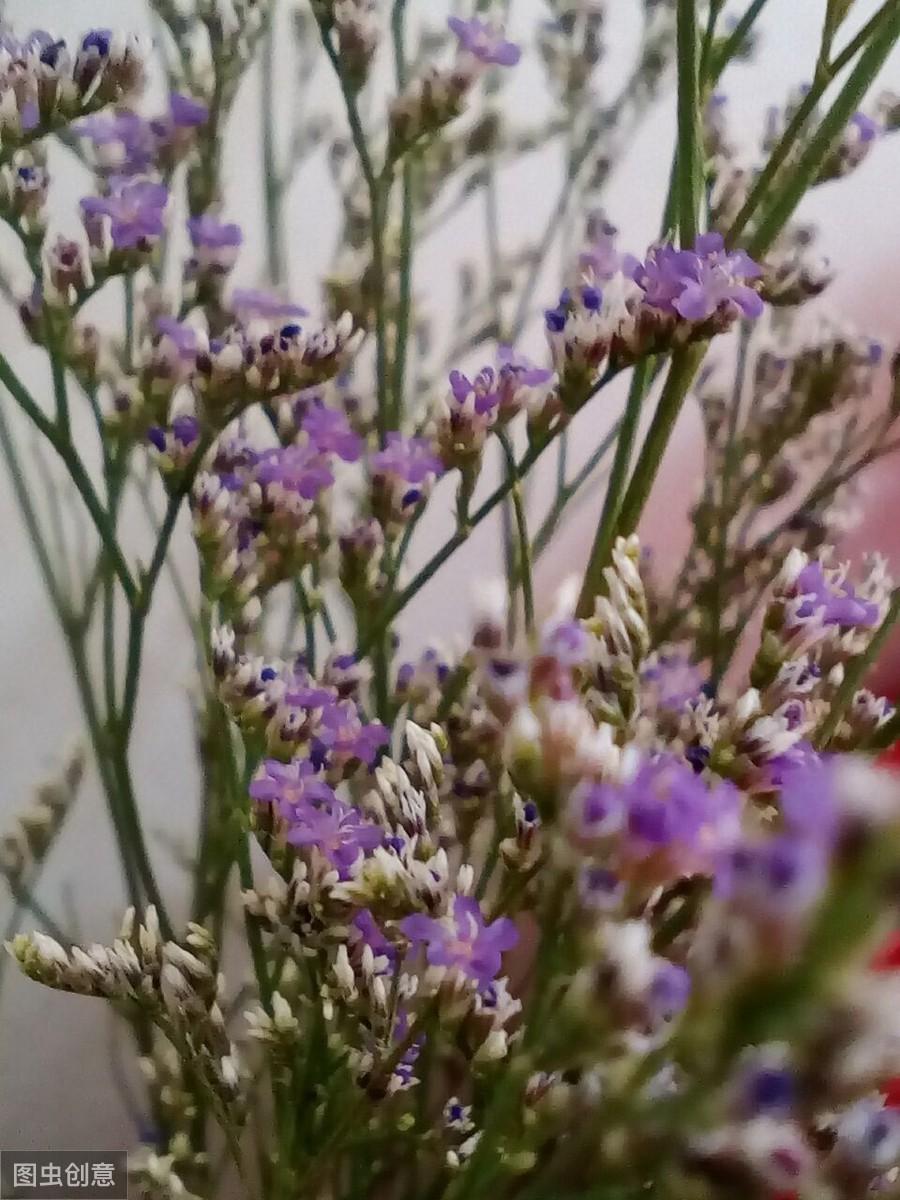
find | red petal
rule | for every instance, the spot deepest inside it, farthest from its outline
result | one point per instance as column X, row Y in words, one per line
column 888, row 957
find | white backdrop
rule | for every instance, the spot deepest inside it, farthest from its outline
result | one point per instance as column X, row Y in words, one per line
column 57, row 1053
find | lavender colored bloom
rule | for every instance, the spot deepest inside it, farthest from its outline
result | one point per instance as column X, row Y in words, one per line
column 135, row 212
column 186, row 429
column 410, row 459
column 184, row 336
column 671, row 680
column 124, row 139
column 463, row 940
column 695, row 284
column 781, row 875
column 209, row 232
column 482, row 41
column 669, row 991
column 295, row 469
column 599, row 888
column 292, row 788
column 835, row 603
column 341, row 732
column 597, row 810
column 566, row 641
column 866, row 128
column 369, row 933
column 524, row 369
column 187, row 113
column 339, row 831
column 671, row 808
column 254, row 302
column 329, row 432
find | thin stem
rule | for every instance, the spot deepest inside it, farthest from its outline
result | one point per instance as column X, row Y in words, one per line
column 688, row 111
column 272, row 188
column 681, row 374
column 732, row 45
column 398, row 16
column 518, row 505
column 823, row 77
column 570, row 490
column 377, row 188
column 76, row 469
column 805, row 170
column 723, row 523
column 856, row 673
column 603, row 541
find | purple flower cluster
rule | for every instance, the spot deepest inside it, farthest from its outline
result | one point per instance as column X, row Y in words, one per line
column 701, row 283
column 127, row 144
column 665, row 822
column 463, row 940
column 484, row 43
column 492, row 397
column 832, row 600
column 313, row 815
column 215, row 245
column 403, row 474
column 134, row 211
column 256, row 512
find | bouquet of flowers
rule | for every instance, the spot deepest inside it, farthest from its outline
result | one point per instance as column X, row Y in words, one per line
column 593, row 905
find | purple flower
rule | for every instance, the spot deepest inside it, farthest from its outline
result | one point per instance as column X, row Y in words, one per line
column 483, row 42
column 671, row 809
column 369, row 933
column 696, row 284
column 341, row 732
column 209, row 232
column 669, row 990
column 597, row 810
column 125, row 140
column 524, row 369
column 187, row 113
column 135, row 212
column 866, row 128
column 253, row 302
column 672, row 680
column 292, row 788
column 186, row 429
column 599, row 888
column 566, row 641
column 463, row 940
column 184, row 336
column 777, row 876
column 408, row 458
column 338, row 831
column 329, row 432
column 835, row 603
column 295, row 469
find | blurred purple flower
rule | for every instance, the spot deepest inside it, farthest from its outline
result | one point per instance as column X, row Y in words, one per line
column 835, row 603
column 463, row 940
column 329, row 432
column 135, row 212
column 407, row 458
column 340, row 832
column 297, row 469
column 483, row 42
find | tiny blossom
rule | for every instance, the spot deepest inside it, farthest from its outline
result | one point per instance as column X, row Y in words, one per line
column 834, row 602
column 483, row 42
column 670, row 680
column 135, row 212
column 463, row 940
column 253, row 302
column 329, row 432
column 339, row 831
column 696, row 284
column 297, row 469
column 292, row 788
column 402, row 475
column 216, row 243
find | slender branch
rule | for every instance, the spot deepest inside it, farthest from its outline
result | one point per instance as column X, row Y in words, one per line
column 805, row 170
column 518, row 505
column 603, row 541
column 688, row 114
column 76, row 469
column 735, row 40
column 681, row 374
column 823, row 77
column 398, row 16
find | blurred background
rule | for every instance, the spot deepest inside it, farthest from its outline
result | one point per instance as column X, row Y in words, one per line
column 65, row 1069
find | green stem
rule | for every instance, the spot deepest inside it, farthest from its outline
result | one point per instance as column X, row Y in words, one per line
column 605, row 536
column 518, row 505
column 271, row 178
column 731, row 46
column 406, row 229
column 856, row 672
column 824, row 74
column 681, row 373
column 688, row 114
column 828, row 134
column 79, row 476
